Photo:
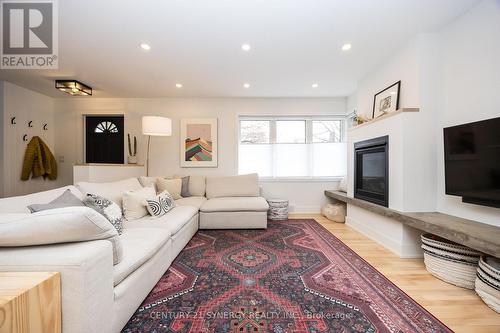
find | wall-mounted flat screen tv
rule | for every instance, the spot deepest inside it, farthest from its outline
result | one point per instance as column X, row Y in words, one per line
column 472, row 162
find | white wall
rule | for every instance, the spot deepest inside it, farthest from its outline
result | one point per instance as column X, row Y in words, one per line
column 453, row 76
column 471, row 90
column 26, row 106
column 164, row 160
column 403, row 67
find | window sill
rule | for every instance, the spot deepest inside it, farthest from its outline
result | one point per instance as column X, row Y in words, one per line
column 300, row 180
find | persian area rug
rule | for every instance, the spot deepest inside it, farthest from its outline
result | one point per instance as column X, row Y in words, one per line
column 293, row 277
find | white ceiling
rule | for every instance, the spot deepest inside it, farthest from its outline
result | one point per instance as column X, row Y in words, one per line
column 295, row 43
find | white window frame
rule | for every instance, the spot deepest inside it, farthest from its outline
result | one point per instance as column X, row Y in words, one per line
column 272, row 140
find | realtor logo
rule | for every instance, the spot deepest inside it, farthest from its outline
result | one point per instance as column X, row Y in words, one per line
column 29, row 34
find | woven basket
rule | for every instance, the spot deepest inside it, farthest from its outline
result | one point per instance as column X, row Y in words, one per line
column 488, row 282
column 278, row 209
column 450, row 262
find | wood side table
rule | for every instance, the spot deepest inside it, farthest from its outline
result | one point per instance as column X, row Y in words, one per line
column 30, row 302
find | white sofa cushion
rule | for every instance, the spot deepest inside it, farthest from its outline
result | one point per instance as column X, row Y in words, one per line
column 148, row 181
column 235, row 186
column 173, row 221
column 134, row 205
column 191, row 201
column 20, row 204
column 62, row 225
column 235, row 204
column 112, row 191
column 196, row 186
column 139, row 245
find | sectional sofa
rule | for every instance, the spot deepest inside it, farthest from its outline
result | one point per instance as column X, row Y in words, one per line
column 106, row 276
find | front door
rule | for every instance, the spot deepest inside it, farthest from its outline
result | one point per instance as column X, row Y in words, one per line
column 104, row 139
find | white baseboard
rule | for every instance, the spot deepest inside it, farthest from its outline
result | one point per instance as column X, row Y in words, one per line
column 314, row 209
column 369, row 230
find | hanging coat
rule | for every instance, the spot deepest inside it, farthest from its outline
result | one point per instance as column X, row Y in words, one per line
column 38, row 161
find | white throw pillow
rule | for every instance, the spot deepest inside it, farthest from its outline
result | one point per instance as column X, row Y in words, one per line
column 134, row 206
column 160, row 205
column 61, row 225
column 172, row 186
column 343, row 185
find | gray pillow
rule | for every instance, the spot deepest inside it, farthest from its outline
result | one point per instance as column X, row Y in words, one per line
column 67, row 199
column 109, row 209
column 185, row 187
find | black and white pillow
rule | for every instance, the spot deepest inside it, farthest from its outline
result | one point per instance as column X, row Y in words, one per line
column 160, row 205
column 107, row 208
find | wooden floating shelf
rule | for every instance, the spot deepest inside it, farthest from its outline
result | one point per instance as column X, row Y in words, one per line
column 385, row 116
column 479, row 236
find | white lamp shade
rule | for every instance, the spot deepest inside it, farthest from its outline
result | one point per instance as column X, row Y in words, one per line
column 156, row 126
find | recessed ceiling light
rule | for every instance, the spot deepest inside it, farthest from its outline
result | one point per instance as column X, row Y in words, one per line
column 315, row 85
column 246, row 85
column 246, row 47
column 145, row 47
column 393, row 93
column 178, row 85
column 346, row 47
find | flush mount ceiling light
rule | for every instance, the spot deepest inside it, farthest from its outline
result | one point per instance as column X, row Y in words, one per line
column 346, row 47
column 145, row 47
column 246, row 85
column 246, row 47
column 315, row 85
column 73, row 87
column 178, row 85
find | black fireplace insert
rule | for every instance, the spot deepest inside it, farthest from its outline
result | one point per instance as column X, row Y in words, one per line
column 371, row 170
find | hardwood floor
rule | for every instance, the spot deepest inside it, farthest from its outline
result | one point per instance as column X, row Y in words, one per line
column 460, row 309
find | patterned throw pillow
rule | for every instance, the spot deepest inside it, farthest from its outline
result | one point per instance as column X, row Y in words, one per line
column 160, row 205
column 107, row 208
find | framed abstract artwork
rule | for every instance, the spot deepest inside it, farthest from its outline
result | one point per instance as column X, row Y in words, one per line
column 387, row 100
column 198, row 143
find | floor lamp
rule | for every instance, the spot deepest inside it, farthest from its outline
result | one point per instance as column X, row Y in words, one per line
column 155, row 126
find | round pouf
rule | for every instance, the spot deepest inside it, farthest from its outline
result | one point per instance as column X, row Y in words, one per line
column 334, row 212
column 450, row 262
column 278, row 209
column 488, row 282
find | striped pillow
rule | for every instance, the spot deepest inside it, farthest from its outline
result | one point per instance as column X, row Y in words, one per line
column 160, row 205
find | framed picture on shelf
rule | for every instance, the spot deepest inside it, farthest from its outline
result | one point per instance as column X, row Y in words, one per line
column 387, row 100
column 198, row 143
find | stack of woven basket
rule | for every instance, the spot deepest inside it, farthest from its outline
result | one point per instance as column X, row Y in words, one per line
column 450, row 262
column 488, row 282
column 463, row 267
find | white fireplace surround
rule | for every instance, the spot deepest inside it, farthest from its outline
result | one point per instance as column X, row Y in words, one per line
column 412, row 182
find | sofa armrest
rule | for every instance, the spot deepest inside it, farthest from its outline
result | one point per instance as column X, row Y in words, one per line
column 86, row 279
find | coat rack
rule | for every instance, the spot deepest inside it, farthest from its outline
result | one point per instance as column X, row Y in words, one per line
column 30, row 123
column 13, row 120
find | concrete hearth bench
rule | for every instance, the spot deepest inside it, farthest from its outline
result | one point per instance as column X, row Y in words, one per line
column 479, row 236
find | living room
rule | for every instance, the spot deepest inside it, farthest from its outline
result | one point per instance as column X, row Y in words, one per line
column 200, row 167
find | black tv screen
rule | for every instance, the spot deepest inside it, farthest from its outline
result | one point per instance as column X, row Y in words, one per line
column 472, row 162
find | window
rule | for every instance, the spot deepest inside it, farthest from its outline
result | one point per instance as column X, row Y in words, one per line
column 292, row 147
column 106, row 127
